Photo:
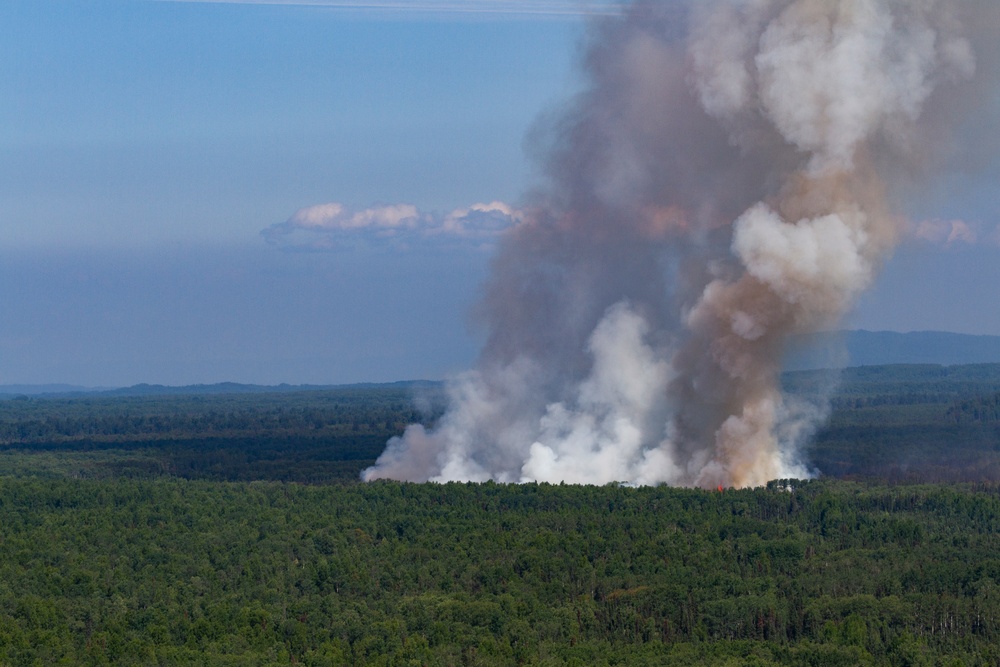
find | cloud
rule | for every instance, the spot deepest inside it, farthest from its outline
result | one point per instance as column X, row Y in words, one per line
column 333, row 226
column 949, row 232
column 480, row 220
column 334, row 216
column 515, row 7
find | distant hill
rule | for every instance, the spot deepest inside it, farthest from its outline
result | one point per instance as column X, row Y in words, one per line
column 36, row 389
column 843, row 349
column 217, row 388
column 236, row 388
column 835, row 349
column 62, row 390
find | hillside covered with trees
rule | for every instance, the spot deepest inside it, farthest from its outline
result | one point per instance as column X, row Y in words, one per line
column 910, row 422
column 223, row 528
column 191, row 572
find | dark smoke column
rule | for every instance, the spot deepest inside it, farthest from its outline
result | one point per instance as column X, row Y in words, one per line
column 722, row 185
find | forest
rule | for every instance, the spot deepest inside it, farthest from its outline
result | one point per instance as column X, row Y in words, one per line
column 231, row 528
column 906, row 422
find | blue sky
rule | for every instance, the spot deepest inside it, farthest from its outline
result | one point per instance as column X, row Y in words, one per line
column 145, row 145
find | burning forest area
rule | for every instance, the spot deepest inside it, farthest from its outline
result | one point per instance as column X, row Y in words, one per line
column 734, row 175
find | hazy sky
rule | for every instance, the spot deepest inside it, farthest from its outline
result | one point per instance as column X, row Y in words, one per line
column 146, row 145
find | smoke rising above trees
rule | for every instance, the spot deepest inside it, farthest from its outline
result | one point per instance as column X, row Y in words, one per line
column 730, row 178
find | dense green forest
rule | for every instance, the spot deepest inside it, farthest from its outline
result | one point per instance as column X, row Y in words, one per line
column 307, row 436
column 219, row 528
column 174, row 571
column 920, row 423
column 908, row 422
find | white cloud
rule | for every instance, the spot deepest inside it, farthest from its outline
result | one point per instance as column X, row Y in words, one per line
column 334, row 216
column 332, row 226
column 518, row 7
column 480, row 220
column 945, row 232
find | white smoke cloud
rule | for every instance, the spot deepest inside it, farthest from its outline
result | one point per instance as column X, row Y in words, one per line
column 810, row 261
column 715, row 192
column 599, row 436
column 332, row 226
column 829, row 79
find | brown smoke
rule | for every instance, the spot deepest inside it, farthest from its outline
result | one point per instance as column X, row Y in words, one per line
column 726, row 181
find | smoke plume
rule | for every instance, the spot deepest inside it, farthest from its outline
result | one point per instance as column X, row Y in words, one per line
column 729, row 179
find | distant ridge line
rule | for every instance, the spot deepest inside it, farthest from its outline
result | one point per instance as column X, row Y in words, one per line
column 835, row 349
column 845, row 349
column 144, row 389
